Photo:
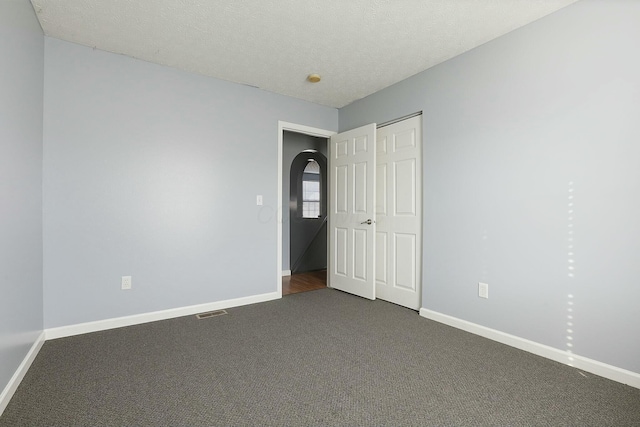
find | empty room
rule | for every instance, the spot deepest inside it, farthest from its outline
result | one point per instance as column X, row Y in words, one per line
column 459, row 178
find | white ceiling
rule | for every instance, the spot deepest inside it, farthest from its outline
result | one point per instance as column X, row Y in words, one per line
column 357, row 46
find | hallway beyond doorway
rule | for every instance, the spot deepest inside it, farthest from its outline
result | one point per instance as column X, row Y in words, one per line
column 303, row 282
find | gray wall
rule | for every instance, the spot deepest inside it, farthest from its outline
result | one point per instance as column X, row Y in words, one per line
column 21, row 77
column 293, row 144
column 510, row 128
column 153, row 172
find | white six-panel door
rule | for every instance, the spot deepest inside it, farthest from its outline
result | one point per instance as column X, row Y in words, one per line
column 352, row 166
column 399, row 213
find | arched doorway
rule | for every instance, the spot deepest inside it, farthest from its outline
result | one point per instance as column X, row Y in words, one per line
column 308, row 212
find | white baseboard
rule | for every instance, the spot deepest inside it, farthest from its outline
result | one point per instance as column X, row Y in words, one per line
column 17, row 377
column 118, row 322
column 589, row 365
column 286, row 273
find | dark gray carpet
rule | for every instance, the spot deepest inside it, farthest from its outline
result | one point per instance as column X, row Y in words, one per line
column 317, row 358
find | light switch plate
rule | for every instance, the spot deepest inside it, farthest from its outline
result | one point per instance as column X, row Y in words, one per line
column 483, row 290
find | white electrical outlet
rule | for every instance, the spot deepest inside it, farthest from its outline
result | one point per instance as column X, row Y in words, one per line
column 259, row 200
column 126, row 282
column 483, row 290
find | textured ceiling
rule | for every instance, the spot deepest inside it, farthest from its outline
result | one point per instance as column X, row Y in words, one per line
column 357, row 46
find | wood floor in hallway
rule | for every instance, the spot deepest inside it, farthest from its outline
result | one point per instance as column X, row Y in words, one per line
column 303, row 282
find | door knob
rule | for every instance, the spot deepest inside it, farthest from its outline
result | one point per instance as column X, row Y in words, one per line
column 368, row 222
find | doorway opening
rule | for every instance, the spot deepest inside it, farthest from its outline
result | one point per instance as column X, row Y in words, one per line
column 302, row 229
column 307, row 214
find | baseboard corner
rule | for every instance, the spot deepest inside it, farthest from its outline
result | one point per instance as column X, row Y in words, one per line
column 17, row 377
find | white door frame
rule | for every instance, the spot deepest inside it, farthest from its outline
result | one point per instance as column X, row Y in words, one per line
column 306, row 130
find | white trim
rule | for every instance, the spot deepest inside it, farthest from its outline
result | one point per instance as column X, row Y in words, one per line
column 118, row 322
column 307, row 130
column 286, row 273
column 583, row 363
column 17, row 377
